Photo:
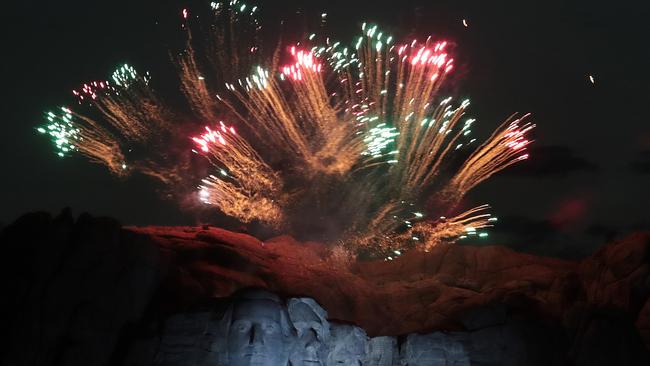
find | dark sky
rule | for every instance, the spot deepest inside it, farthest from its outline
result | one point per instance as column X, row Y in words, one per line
column 589, row 176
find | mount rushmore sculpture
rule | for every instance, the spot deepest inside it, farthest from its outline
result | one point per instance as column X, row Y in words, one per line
column 259, row 329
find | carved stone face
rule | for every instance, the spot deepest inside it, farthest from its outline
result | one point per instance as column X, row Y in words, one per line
column 348, row 346
column 434, row 349
column 309, row 320
column 308, row 351
column 255, row 336
column 382, row 351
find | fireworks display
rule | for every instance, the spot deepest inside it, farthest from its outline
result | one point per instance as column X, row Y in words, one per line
column 72, row 132
column 356, row 134
column 114, row 121
column 246, row 187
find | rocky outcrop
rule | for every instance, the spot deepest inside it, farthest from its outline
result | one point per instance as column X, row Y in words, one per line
column 92, row 291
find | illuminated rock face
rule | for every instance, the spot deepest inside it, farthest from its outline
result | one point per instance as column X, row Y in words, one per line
column 435, row 349
column 89, row 292
column 348, row 346
column 257, row 331
column 382, row 351
column 313, row 332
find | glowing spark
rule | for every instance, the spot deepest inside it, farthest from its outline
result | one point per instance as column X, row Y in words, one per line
column 71, row 132
column 252, row 188
column 304, row 62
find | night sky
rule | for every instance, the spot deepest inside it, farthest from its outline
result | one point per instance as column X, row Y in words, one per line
column 587, row 181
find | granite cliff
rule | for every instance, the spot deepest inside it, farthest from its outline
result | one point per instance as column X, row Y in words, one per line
column 92, row 292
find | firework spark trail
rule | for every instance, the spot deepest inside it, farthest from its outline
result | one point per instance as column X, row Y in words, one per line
column 237, row 202
column 378, row 232
column 73, row 132
column 426, row 147
column 226, row 148
column 270, row 116
column 339, row 138
column 335, row 145
column 399, row 84
column 235, row 44
column 299, row 118
column 127, row 104
column 131, row 107
column 128, row 114
column 505, row 147
column 92, row 90
column 194, row 87
column 232, row 49
column 405, row 100
column 430, row 234
column 367, row 74
column 423, row 235
column 248, row 188
column 422, row 143
column 420, row 73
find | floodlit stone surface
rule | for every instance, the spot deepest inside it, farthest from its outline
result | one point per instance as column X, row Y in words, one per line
column 435, row 349
column 313, row 332
column 382, row 351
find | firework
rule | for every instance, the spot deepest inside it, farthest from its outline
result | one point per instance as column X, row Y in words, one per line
column 426, row 234
column 120, row 115
column 131, row 107
column 71, row 132
column 247, row 187
column 399, row 85
column 232, row 47
column 432, row 233
column 357, row 136
column 505, row 147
